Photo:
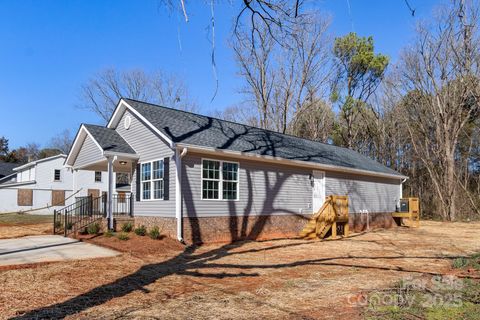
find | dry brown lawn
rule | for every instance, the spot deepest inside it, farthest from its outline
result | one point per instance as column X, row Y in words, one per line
column 14, row 225
column 283, row 279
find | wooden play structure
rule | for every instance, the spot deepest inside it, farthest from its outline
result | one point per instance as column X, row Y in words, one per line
column 409, row 209
column 332, row 215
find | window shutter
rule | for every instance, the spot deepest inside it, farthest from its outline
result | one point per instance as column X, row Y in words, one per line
column 137, row 183
column 166, row 178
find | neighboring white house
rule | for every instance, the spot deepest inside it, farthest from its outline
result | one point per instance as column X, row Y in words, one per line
column 44, row 185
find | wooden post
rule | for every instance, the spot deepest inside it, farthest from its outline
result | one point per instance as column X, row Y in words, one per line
column 334, row 230
column 346, row 229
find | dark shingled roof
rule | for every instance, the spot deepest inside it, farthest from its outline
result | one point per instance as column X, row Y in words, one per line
column 6, row 168
column 194, row 129
column 109, row 139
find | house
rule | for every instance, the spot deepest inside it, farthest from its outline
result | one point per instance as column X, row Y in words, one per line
column 44, row 185
column 6, row 171
column 203, row 179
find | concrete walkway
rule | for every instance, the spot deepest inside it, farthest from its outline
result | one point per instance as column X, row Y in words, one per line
column 34, row 249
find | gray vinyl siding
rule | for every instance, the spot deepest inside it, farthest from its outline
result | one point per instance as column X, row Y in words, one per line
column 265, row 189
column 364, row 193
column 149, row 146
column 89, row 153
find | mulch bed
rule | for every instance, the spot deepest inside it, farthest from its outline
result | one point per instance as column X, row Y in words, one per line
column 137, row 245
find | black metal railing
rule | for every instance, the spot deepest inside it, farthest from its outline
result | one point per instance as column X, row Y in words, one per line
column 122, row 204
column 75, row 217
column 87, row 210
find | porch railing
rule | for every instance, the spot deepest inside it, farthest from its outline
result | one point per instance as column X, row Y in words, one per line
column 87, row 210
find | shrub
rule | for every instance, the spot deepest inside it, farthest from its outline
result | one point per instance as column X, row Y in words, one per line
column 127, row 227
column 69, row 225
column 141, row 231
column 108, row 233
column 94, row 228
column 154, row 233
column 123, row 236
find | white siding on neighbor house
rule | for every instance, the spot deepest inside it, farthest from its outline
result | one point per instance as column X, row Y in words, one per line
column 44, row 175
column 85, row 179
column 364, row 193
column 42, row 188
column 149, row 146
column 265, row 189
column 89, row 153
column 27, row 174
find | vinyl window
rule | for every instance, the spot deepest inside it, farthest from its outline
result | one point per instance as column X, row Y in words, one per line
column 98, row 176
column 219, row 180
column 152, row 180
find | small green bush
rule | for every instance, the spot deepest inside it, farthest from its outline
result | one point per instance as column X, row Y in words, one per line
column 154, row 233
column 123, row 236
column 69, row 225
column 467, row 262
column 94, row 228
column 141, row 231
column 108, row 233
column 127, row 227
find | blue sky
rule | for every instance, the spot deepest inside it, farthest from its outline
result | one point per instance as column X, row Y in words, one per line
column 50, row 48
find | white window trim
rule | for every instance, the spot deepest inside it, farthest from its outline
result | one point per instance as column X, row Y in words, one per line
column 152, row 180
column 55, row 180
column 94, row 177
column 220, row 180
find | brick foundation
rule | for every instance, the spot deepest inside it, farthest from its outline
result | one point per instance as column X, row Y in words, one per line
column 229, row 229
column 167, row 226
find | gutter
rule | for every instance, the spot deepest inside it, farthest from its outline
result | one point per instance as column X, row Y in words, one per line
column 298, row 163
column 178, row 190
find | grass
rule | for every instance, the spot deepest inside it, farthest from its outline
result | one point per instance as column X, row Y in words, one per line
column 430, row 298
column 467, row 262
column 19, row 218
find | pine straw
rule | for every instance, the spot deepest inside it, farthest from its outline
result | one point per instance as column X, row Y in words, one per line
column 286, row 279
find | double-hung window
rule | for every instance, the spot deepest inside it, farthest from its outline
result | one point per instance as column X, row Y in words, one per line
column 152, row 180
column 219, row 180
column 98, row 176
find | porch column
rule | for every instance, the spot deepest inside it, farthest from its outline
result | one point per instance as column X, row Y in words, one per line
column 110, row 193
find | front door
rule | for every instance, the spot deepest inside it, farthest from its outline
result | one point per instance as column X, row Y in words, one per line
column 318, row 190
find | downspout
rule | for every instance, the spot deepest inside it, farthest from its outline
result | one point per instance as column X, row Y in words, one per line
column 178, row 191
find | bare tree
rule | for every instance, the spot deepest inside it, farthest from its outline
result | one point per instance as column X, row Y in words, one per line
column 255, row 64
column 315, row 122
column 284, row 79
column 102, row 93
column 62, row 141
column 441, row 76
column 304, row 70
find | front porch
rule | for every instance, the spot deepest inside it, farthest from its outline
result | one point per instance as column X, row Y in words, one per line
column 99, row 149
column 74, row 218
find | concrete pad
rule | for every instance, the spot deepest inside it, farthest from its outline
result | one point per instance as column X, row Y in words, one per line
column 47, row 248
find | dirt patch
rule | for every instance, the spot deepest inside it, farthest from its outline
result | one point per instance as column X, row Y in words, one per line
column 282, row 279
